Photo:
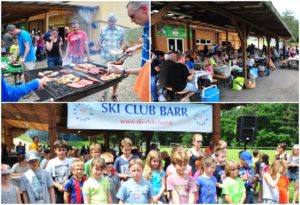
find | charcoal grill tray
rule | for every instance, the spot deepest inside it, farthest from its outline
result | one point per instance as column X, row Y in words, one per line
column 56, row 90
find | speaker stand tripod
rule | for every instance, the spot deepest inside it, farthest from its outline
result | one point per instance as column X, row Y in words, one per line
column 245, row 143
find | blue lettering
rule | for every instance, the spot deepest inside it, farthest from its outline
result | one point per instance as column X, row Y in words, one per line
column 184, row 112
column 151, row 110
column 162, row 111
column 104, row 108
column 127, row 107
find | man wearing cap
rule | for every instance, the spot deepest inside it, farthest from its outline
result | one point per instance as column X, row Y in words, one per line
column 36, row 184
column 111, row 37
column 26, row 50
column 246, row 173
column 77, row 43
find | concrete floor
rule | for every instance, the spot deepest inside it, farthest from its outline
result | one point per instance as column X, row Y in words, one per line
column 281, row 86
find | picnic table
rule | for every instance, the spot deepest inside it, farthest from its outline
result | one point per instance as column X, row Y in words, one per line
column 11, row 71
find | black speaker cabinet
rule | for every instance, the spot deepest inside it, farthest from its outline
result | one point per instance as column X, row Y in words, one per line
column 246, row 128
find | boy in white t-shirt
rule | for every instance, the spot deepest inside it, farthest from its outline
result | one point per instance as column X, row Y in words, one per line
column 60, row 169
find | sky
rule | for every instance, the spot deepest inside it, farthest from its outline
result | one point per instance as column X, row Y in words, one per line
column 292, row 5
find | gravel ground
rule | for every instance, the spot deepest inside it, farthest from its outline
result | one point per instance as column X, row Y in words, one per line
column 125, row 88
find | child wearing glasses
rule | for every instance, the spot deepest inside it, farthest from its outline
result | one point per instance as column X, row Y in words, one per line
column 155, row 174
column 96, row 189
column 111, row 176
column 10, row 194
column 60, row 169
column 180, row 185
column 220, row 156
column 233, row 189
column 36, row 184
column 73, row 193
column 122, row 162
column 207, row 182
column 195, row 152
column 136, row 190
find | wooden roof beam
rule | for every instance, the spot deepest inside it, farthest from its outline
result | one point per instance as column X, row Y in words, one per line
column 158, row 16
column 224, row 13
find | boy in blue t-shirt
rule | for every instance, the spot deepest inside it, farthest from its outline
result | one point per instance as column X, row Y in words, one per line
column 247, row 174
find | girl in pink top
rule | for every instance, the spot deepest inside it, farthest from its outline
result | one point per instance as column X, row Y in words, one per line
column 208, row 67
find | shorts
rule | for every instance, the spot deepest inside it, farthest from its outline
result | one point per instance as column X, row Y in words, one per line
column 76, row 59
column 190, row 87
column 293, row 176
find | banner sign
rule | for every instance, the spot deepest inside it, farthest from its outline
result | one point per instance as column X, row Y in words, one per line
column 141, row 116
column 172, row 32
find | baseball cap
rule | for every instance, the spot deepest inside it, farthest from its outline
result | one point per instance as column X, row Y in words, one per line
column 5, row 169
column 32, row 155
column 247, row 157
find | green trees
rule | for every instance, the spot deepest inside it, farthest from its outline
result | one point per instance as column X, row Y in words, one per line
column 292, row 23
column 275, row 123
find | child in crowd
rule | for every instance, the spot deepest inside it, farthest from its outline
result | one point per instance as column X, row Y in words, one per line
column 283, row 187
column 122, row 162
column 179, row 184
column 36, row 184
column 136, row 190
column 59, row 168
column 46, row 159
column 73, row 193
column 246, row 173
column 95, row 150
column 270, row 182
column 233, row 189
column 207, row 182
column 293, row 170
column 10, row 194
column 111, row 176
column 220, row 172
column 257, row 156
column 96, row 189
column 264, row 166
column 155, row 174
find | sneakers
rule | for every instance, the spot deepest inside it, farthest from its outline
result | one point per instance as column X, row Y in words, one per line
column 115, row 98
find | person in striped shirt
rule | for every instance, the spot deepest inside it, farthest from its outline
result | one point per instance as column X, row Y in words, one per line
column 73, row 188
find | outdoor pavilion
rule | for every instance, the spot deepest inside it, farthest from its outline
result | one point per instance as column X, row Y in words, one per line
column 16, row 12
column 18, row 117
column 255, row 18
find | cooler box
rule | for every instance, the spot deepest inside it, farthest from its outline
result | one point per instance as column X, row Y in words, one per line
column 210, row 94
column 238, row 83
column 254, row 72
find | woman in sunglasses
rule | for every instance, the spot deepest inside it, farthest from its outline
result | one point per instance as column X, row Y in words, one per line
column 195, row 152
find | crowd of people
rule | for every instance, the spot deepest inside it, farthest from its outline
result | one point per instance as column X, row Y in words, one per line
column 185, row 177
column 27, row 48
column 175, row 69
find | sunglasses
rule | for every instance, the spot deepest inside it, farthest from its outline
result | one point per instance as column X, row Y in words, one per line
column 109, row 163
column 199, row 141
column 234, row 169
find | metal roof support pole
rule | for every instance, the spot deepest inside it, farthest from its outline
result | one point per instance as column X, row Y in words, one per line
column 153, row 40
column 188, row 33
column 216, row 135
column 52, row 127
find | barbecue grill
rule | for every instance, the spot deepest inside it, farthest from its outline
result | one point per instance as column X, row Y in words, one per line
column 61, row 92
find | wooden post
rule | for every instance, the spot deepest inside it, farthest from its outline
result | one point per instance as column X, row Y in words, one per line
column 8, row 137
column 277, row 44
column 148, row 137
column 52, row 127
column 258, row 42
column 106, row 139
column 268, row 44
column 188, row 37
column 216, row 124
column 244, row 44
column 153, row 40
column 226, row 32
column 194, row 46
column 46, row 22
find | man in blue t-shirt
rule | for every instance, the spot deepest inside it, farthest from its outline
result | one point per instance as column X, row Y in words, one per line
column 26, row 50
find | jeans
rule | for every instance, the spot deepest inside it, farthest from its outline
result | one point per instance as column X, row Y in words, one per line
column 154, row 88
column 54, row 61
column 249, row 197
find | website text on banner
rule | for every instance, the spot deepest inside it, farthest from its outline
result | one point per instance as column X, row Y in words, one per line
column 137, row 116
